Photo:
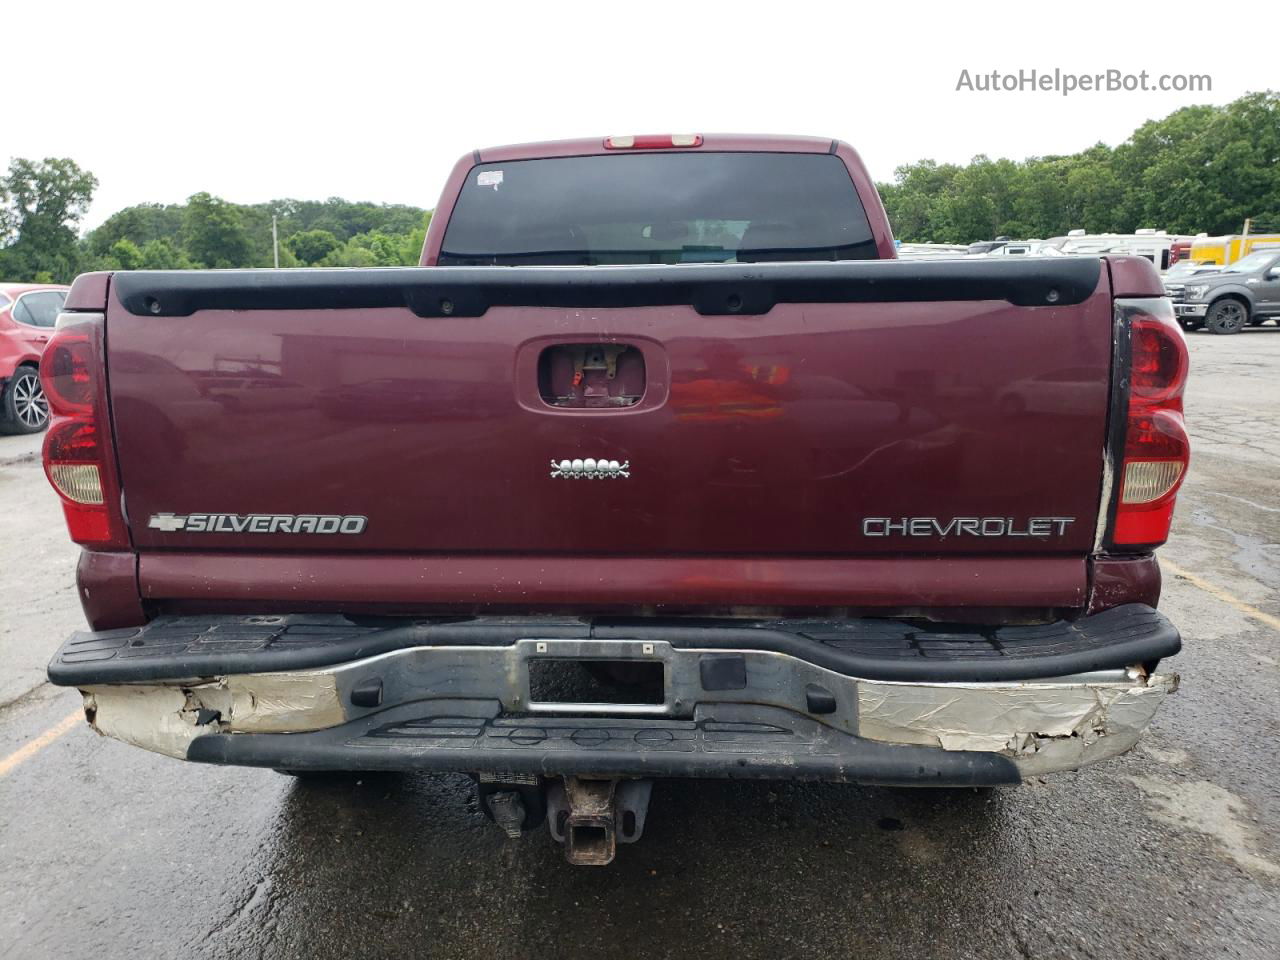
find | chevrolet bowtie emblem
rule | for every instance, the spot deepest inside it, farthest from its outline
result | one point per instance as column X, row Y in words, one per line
column 168, row 522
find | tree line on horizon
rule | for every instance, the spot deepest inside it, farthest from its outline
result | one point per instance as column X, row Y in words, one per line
column 44, row 201
column 1201, row 168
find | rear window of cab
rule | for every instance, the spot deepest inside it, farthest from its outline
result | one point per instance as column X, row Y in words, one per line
column 664, row 208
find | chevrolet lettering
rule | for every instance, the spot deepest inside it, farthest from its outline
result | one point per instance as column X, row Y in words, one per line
column 965, row 526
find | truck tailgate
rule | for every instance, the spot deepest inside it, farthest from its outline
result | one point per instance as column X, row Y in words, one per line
column 888, row 429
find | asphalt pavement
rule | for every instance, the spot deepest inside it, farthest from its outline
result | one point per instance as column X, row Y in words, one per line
column 1170, row 851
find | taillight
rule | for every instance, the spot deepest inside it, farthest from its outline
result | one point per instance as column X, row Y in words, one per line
column 1156, row 447
column 653, row 141
column 78, row 457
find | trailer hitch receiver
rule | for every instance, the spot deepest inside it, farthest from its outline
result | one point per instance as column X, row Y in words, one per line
column 591, row 817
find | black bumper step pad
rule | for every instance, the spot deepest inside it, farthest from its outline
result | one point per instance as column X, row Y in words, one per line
column 874, row 649
column 741, row 742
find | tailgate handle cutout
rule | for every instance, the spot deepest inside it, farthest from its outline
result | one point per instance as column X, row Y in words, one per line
column 591, row 376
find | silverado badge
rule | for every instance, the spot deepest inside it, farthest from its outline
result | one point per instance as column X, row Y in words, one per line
column 256, row 523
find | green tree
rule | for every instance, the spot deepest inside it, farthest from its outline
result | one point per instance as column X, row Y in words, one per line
column 912, row 201
column 312, row 246
column 312, row 232
column 979, row 202
column 1095, row 192
column 1200, row 168
column 412, row 243
column 345, row 219
column 163, row 254
column 350, row 254
column 125, row 255
column 387, row 249
column 1213, row 166
column 41, row 203
column 142, row 224
column 378, row 248
column 214, row 234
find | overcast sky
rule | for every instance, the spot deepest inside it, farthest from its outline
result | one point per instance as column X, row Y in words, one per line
column 376, row 100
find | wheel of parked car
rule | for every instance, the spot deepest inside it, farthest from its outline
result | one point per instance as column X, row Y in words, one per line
column 23, row 408
column 1226, row 316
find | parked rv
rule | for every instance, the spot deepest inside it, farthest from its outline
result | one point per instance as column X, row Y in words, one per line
column 1026, row 248
column 986, row 246
column 1149, row 243
column 931, row 251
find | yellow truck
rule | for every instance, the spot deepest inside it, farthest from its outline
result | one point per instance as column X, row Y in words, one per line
column 1229, row 249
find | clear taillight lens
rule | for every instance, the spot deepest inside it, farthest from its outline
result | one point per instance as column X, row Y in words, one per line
column 1148, row 480
column 81, row 482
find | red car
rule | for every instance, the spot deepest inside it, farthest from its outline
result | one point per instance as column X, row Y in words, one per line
column 27, row 315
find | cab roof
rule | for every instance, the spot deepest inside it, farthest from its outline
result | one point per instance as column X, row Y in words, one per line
column 711, row 141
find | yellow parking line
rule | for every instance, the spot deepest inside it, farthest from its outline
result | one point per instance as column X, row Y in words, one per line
column 29, row 750
column 1248, row 609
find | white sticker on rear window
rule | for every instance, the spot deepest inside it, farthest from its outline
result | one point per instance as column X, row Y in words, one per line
column 489, row 178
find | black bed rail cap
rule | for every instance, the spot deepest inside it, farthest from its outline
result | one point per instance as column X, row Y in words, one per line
column 711, row 289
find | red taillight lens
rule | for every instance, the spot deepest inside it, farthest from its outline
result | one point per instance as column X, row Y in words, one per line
column 1156, row 448
column 65, row 372
column 1159, row 361
column 77, row 447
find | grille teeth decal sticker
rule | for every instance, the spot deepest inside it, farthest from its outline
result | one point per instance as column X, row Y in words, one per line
column 590, row 469
column 256, row 523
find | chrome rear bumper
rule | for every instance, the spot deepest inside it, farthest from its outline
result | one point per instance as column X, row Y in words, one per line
column 718, row 712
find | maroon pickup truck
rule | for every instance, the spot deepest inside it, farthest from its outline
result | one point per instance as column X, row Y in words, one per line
column 660, row 465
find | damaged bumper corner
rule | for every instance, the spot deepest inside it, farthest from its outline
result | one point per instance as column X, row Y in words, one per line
column 1043, row 727
column 166, row 717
